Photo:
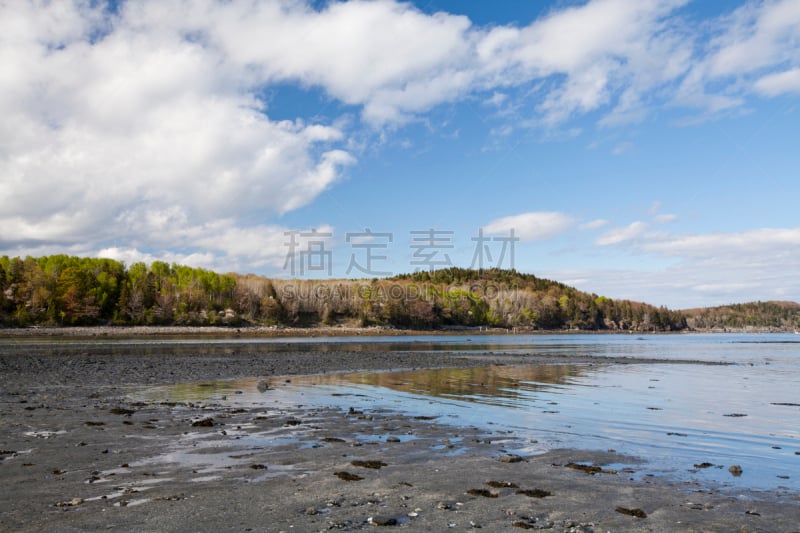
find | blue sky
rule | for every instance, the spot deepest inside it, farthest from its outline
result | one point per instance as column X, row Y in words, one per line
column 638, row 149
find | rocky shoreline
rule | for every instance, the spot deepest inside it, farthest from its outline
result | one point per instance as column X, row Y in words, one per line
column 84, row 447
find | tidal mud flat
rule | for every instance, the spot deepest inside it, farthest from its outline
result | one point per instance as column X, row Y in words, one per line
column 84, row 448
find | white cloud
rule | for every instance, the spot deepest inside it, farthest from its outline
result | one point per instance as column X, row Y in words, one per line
column 623, row 148
column 693, row 270
column 618, row 235
column 787, row 81
column 665, row 218
column 594, row 224
column 755, row 48
column 147, row 128
column 531, row 226
column 767, row 243
column 141, row 135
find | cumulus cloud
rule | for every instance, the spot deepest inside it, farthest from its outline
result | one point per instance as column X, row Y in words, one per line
column 531, row 226
column 125, row 129
column 147, row 126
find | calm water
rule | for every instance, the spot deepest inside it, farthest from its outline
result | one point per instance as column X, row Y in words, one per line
column 672, row 415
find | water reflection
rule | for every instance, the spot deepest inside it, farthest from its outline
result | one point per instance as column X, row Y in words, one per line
column 491, row 385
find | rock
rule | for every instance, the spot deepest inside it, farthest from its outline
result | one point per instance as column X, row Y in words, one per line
column 311, row 511
column 392, row 439
column 502, row 484
column 735, row 470
column 482, row 492
column 535, row 493
column 347, row 476
column 383, row 521
column 121, row 411
column 703, row 465
column 262, row 386
column 204, row 423
column 638, row 513
column 70, row 503
column 510, row 458
column 369, row 464
column 258, row 467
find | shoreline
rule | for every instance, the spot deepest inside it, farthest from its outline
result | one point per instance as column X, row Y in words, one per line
column 330, row 331
column 83, row 451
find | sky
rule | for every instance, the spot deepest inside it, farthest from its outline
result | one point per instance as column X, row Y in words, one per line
column 640, row 149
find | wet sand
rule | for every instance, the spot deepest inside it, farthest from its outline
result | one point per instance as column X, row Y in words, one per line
column 81, row 450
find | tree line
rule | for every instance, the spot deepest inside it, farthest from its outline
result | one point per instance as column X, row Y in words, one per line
column 70, row 291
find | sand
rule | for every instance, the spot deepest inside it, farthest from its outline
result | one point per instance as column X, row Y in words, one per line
column 83, row 449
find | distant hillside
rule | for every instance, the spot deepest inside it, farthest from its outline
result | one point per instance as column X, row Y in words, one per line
column 64, row 290
column 772, row 314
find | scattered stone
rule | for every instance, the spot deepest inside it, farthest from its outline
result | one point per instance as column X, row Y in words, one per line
column 753, row 513
column 638, row 513
column 393, row 439
column 535, row 493
column 293, row 422
column 482, row 492
column 522, row 524
column 369, row 464
column 510, row 458
column 735, row 470
column 70, row 503
column 262, row 386
column 121, row 411
column 347, row 476
column 502, row 484
column 703, row 465
column 333, row 439
column 204, row 423
column 590, row 469
column 445, row 506
column 91, row 423
column 383, row 521
column 311, row 511
column 258, row 467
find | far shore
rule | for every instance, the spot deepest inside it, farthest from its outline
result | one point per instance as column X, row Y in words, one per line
column 328, row 331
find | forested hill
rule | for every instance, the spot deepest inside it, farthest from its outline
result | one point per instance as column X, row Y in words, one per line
column 67, row 291
column 777, row 315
